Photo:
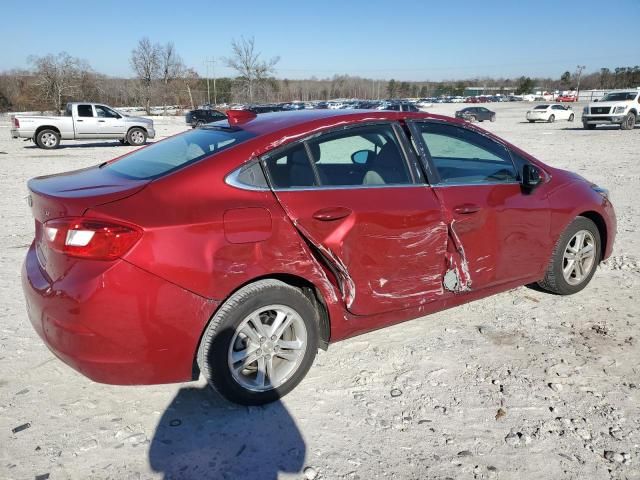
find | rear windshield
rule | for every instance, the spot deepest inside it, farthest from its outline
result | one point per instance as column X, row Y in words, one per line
column 541, row 107
column 176, row 152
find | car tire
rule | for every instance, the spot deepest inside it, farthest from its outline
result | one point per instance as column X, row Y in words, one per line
column 48, row 139
column 571, row 117
column 629, row 122
column 588, row 126
column 136, row 137
column 232, row 331
column 551, row 119
column 471, row 118
column 580, row 241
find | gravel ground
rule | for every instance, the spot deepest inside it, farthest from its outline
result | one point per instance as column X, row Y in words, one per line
column 518, row 385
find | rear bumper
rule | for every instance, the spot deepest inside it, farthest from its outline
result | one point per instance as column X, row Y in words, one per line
column 116, row 323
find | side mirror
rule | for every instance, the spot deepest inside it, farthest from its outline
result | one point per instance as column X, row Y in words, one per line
column 595, row 99
column 531, row 177
column 361, row 157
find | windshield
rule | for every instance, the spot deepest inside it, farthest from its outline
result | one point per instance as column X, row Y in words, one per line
column 176, row 152
column 619, row 96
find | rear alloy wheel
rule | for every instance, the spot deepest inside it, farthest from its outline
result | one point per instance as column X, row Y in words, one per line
column 471, row 118
column 571, row 117
column 261, row 343
column 48, row 139
column 629, row 122
column 574, row 259
column 136, row 136
column 552, row 119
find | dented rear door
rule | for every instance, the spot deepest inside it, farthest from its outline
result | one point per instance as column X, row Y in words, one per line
column 381, row 233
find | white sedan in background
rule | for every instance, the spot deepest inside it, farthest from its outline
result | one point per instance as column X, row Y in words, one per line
column 550, row 113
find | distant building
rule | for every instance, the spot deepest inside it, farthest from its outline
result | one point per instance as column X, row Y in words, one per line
column 475, row 91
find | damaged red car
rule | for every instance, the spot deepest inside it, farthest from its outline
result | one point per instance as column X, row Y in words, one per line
column 237, row 249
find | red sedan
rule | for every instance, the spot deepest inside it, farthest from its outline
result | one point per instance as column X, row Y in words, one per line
column 237, row 249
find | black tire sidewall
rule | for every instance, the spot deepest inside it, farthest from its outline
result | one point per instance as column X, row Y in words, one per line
column 580, row 223
column 130, row 132
column 215, row 350
column 39, row 137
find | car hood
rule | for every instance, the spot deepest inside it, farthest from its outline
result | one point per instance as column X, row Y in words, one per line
column 615, row 103
column 139, row 120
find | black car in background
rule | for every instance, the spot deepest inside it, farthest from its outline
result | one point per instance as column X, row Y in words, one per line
column 201, row 116
column 476, row 114
column 400, row 107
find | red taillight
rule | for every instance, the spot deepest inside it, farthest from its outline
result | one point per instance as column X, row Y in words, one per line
column 90, row 238
column 16, row 122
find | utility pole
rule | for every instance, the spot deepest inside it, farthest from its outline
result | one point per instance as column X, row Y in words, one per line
column 206, row 64
column 215, row 92
column 579, row 70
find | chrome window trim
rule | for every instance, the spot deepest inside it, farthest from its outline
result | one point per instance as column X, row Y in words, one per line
column 478, row 184
column 351, row 187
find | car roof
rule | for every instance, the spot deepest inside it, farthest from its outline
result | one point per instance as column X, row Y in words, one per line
column 306, row 121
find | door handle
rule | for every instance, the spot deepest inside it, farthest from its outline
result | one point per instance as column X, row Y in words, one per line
column 101, row 121
column 467, row 208
column 332, row 213
column 79, row 120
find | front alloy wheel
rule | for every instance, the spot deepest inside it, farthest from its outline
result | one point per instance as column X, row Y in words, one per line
column 579, row 257
column 574, row 258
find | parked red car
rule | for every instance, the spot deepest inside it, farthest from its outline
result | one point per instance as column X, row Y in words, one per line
column 566, row 98
column 237, row 249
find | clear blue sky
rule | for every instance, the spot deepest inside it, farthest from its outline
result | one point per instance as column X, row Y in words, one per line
column 406, row 40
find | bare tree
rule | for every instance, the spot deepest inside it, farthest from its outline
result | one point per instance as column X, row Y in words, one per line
column 171, row 67
column 146, row 61
column 252, row 71
column 58, row 76
column 190, row 79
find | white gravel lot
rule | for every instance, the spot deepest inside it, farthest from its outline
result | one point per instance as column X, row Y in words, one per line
column 521, row 385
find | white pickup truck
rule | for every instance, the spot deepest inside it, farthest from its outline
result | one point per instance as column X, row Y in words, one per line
column 620, row 107
column 82, row 121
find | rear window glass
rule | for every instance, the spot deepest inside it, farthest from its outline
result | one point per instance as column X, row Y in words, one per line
column 176, row 152
column 541, row 107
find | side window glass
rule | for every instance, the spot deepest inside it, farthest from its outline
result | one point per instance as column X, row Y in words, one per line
column 291, row 168
column 85, row 111
column 104, row 112
column 367, row 155
column 464, row 157
column 251, row 176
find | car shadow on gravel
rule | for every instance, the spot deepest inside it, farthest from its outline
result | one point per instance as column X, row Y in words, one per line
column 203, row 436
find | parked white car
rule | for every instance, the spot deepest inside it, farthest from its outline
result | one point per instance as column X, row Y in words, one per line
column 82, row 121
column 550, row 113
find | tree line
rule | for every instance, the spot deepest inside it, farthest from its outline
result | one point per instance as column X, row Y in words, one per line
column 161, row 78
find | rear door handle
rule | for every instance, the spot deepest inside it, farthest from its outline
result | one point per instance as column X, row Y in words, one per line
column 467, row 208
column 332, row 213
column 79, row 120
column 101, row 121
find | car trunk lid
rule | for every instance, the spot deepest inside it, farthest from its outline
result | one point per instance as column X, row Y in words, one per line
column 70, row 194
